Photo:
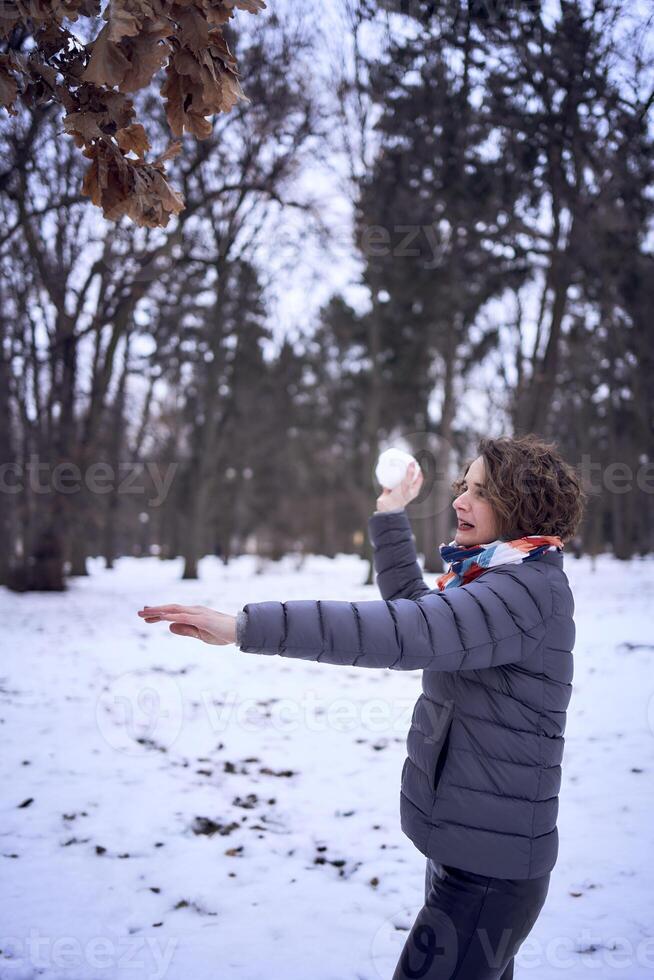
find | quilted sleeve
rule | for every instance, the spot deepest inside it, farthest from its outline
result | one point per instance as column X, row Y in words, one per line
column 394, row 556
column 500, row 618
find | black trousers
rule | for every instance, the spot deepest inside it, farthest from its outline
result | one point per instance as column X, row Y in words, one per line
column 471, row 926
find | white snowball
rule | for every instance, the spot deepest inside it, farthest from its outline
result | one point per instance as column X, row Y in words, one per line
column 392, row 466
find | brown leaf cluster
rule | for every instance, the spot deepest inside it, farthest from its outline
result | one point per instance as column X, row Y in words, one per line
column 92, row 82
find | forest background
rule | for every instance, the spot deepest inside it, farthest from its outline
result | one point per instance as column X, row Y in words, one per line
column 431, row 222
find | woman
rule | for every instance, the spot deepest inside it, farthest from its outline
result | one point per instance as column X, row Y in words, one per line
column 494, row 639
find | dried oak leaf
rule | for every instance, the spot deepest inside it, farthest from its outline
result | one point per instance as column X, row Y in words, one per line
column 9, row 18
column 130, row 63
column 133, row 138
column 200, row 85
column 94, row 113
column 41, row 81
column 67, row 9
column 137, row 40
column 83, row 127
column 126, row 17
column 133, row 188
column 193, row 29
column 146, row 55
column 60, row 49
column 108, row 64
column 9, row 67
column 178, row 91
column 13, row 12
column 252, row 6
column 220, row 13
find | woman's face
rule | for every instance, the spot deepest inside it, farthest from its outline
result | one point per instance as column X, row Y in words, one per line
column 473, row 507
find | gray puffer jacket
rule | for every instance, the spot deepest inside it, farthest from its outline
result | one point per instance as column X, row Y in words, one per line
column 480, row 784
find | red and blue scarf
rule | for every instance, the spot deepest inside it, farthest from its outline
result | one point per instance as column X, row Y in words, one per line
column 467, row 563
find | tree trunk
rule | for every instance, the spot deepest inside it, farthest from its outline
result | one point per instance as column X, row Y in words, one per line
column 371, row 438
column 441, row 524
column 109, row 534
column 8, row 509
column 192, row 534
column 46, row 574
column 78, row 553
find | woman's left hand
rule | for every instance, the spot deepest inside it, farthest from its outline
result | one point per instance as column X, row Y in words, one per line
column 200, row 622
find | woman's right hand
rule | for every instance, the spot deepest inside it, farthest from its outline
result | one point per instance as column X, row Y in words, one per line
column 405, row 492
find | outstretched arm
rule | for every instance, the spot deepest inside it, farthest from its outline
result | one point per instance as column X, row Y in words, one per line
column 493, row 620
column 499, row 618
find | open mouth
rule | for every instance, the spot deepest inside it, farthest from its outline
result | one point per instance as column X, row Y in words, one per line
column 464, row 526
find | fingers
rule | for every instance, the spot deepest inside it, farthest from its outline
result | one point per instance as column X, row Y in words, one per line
column 188, row 618
column 178, row 627
column 413, row 474
column 172, row 608
column 191, row 616
column 183, row 629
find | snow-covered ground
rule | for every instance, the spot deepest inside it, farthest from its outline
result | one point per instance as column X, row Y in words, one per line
column 190, row 812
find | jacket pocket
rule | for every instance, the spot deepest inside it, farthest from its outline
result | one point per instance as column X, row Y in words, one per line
column 441, row 740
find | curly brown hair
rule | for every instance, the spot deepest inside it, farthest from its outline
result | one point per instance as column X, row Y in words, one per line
column 530, row 486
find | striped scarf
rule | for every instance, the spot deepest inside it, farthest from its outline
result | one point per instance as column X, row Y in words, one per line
column 467, row 563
